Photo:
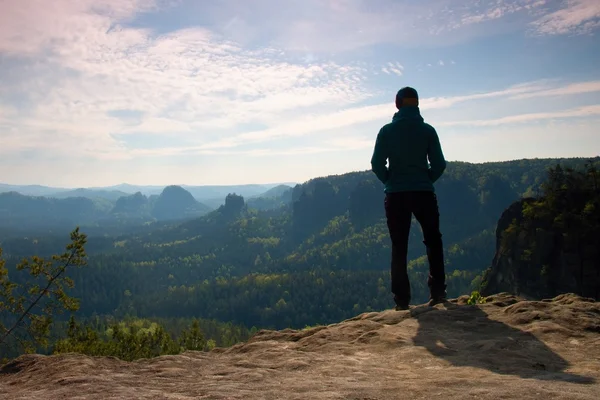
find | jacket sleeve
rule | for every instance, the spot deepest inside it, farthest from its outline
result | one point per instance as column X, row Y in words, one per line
column 379, row 159
column 436, row 157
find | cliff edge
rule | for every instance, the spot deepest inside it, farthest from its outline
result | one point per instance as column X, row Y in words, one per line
column 506, row 348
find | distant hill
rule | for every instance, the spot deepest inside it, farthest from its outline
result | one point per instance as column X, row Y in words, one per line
column 135, row 205
column 20, row 213
column 41, row 212
column 30, row 190
column 214, row 196
column 213, row 202
column 177, row 203
column 173, row 203
column 131, row 189
column 276, row 191
column 111, row 195
column 211, row 195
column 274, row 198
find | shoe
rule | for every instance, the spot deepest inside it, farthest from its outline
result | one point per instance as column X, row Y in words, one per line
column 437, row 299
column 401, row 304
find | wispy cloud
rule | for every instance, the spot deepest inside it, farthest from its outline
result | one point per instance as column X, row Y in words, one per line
column 492, row 10
column 570, row 89
column 317, row 125
column 330, row 145
column 444, row 102
column 577, row 16
column 29, row 26
column 586, row 111
column 394, row 68
column 85, row 65
column 344, row 25
column 301, row 126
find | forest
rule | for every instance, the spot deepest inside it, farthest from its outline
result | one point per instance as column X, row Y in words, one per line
column 314, row 254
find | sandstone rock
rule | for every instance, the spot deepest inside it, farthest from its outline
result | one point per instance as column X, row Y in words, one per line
column 507, row 348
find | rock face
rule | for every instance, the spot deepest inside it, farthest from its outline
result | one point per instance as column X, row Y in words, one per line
column 505, row 348
column 537, row 258
column 504, row 272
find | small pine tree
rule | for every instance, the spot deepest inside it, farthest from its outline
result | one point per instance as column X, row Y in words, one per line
column 27, row 310
column 193, row 339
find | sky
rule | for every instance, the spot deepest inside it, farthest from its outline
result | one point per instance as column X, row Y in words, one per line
column 97, row 93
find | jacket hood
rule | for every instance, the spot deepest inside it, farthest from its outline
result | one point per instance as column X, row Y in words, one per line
column 409, row 113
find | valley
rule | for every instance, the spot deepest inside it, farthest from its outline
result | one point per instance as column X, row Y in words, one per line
column 320, row 254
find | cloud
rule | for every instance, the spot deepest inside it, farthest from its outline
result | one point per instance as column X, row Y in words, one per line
column 586, row 111
column 29, row 26
column 577, row 16
column 318, row 124
column 81, row 79
column 344, row 25
column 493, row 10
column 571, row 89
column 80, row 65
column 325, row 144
column 335, row 26
column 6, row 112
column 396, row 68
column 302, row 126
column 444, row 102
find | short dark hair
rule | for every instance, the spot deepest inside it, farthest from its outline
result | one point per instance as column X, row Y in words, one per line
column 407, row 96
column 407, row 92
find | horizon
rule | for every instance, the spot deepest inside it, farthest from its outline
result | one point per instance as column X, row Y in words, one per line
column 288, row 183
column 183, row 185
column 95, row 94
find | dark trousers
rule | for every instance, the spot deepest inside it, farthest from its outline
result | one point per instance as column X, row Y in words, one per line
column 399, row 208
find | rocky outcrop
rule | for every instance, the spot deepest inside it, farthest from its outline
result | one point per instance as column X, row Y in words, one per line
column 537, row 258
column 503, row 275
column 507, row 348
column 135, row 205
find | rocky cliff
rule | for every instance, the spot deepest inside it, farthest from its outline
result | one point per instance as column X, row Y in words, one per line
column 550, row 245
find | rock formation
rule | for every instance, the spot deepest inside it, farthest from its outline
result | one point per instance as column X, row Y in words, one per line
column 541, row 253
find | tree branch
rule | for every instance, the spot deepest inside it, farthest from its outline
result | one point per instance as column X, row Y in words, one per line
column 42, row 293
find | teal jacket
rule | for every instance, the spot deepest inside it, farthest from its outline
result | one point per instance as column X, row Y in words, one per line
column 413, row 149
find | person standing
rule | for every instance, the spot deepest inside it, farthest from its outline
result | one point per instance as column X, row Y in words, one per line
column 416, row 161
